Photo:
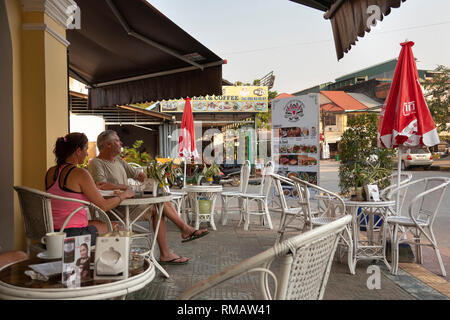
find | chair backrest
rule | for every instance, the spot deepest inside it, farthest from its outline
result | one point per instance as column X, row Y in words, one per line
column 279, row 181
column 405, row 177
column 425, row 204
column 327, row 203
column 266, row 178
column 36, row 209
column 134, row 165
column 305, row 262
column 245, row 175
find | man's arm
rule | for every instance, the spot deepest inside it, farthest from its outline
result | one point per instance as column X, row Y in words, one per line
column 133, row 173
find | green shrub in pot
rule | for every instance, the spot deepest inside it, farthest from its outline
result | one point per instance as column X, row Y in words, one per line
column 361, row 161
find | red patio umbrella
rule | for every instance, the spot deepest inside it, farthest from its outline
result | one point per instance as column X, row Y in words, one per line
column 405, row 120
column 186, row 141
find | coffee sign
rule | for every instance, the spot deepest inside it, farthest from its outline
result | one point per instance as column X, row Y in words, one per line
column 233, row 99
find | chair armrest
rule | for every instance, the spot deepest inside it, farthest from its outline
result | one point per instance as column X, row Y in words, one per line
column 86, row 205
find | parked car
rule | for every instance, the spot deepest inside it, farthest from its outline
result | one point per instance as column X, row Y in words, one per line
column 416, row 157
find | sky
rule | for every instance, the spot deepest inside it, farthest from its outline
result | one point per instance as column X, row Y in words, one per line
column 296, row 42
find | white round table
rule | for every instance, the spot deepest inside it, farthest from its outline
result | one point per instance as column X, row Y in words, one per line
column 142, row 205
column 369, row 248
column 209, row 192
column 15, row 285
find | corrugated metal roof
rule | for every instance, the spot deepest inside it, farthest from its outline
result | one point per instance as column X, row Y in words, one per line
column 365, row 100
column 344, row 100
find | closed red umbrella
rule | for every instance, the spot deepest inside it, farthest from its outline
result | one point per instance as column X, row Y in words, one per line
column 405, row 120
column 186, row 141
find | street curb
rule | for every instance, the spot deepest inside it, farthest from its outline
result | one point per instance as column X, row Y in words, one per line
column 439, row 168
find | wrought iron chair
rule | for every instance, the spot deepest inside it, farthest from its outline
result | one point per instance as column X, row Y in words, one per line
column 37, row 216
column 422, row 212
column 261, row 199
column 305, row 261
column 227, row 196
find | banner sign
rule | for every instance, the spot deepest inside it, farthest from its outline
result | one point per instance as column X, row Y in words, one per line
column 233, row 99
column 295, row 137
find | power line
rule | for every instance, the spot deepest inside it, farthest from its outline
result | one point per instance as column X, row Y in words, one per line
column 330, row 40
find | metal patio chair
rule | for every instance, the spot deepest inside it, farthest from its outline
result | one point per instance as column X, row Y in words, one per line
column 305, row 262
column 261, row 199
column 289, row 214
column 227, row 196
column 422, row 211
column 36, row 209
column 320, row 207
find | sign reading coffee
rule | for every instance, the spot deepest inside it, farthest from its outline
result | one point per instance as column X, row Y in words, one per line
column 233, row 99
column 295, row 138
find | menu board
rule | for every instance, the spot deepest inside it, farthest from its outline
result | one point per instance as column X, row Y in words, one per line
column 295, row 137
column 233, row 99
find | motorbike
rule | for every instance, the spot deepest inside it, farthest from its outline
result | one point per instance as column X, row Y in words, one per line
column 231, row 174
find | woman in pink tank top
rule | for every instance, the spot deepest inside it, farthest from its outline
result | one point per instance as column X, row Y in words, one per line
column 68, row 180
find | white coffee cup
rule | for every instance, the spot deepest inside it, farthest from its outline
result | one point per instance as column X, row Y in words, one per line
column 54, row 243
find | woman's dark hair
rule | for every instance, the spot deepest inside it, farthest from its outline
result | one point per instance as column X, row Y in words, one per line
column 66, row 146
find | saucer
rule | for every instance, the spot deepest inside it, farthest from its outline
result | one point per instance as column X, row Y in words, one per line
column 44, row 255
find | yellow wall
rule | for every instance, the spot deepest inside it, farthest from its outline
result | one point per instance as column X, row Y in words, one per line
column 14, row 12
column 39, row 99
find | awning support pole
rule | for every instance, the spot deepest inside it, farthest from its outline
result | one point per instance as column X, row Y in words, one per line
column 131, row 32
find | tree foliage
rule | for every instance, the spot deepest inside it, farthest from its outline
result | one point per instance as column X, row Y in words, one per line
column 437, row 95
column 136, row 154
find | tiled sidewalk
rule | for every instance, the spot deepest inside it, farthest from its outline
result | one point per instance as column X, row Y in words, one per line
column 230, row 244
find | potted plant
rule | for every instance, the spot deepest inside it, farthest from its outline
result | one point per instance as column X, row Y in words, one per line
column 158, row 173
column 210, row 172
column 174, row 174
column 361, row 161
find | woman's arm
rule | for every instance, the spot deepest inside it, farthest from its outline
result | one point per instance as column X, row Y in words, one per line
column 89, row 189
column 111, row 186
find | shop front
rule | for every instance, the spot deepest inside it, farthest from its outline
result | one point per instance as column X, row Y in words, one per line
column 225, row 126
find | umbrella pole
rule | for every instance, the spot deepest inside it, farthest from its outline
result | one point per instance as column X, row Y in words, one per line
column 184, row 179
column 399, row 170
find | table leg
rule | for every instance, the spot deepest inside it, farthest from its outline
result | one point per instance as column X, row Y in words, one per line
column 159, row 211
column 355, row 227
column 128, row 226
column 370, row 226
column 213, row 197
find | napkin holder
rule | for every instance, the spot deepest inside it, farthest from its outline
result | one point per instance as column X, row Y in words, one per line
column 111, row 256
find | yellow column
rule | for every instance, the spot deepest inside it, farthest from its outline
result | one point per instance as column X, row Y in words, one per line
column 40, row 104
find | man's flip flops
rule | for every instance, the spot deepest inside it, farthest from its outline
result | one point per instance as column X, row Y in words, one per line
column 194, row 236
column 173, row 262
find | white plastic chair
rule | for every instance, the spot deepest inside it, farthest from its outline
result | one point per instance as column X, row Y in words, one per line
column 422, row 212
column 305, row 261
column 260, row 198
column 227, row 196
column 37, row 215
